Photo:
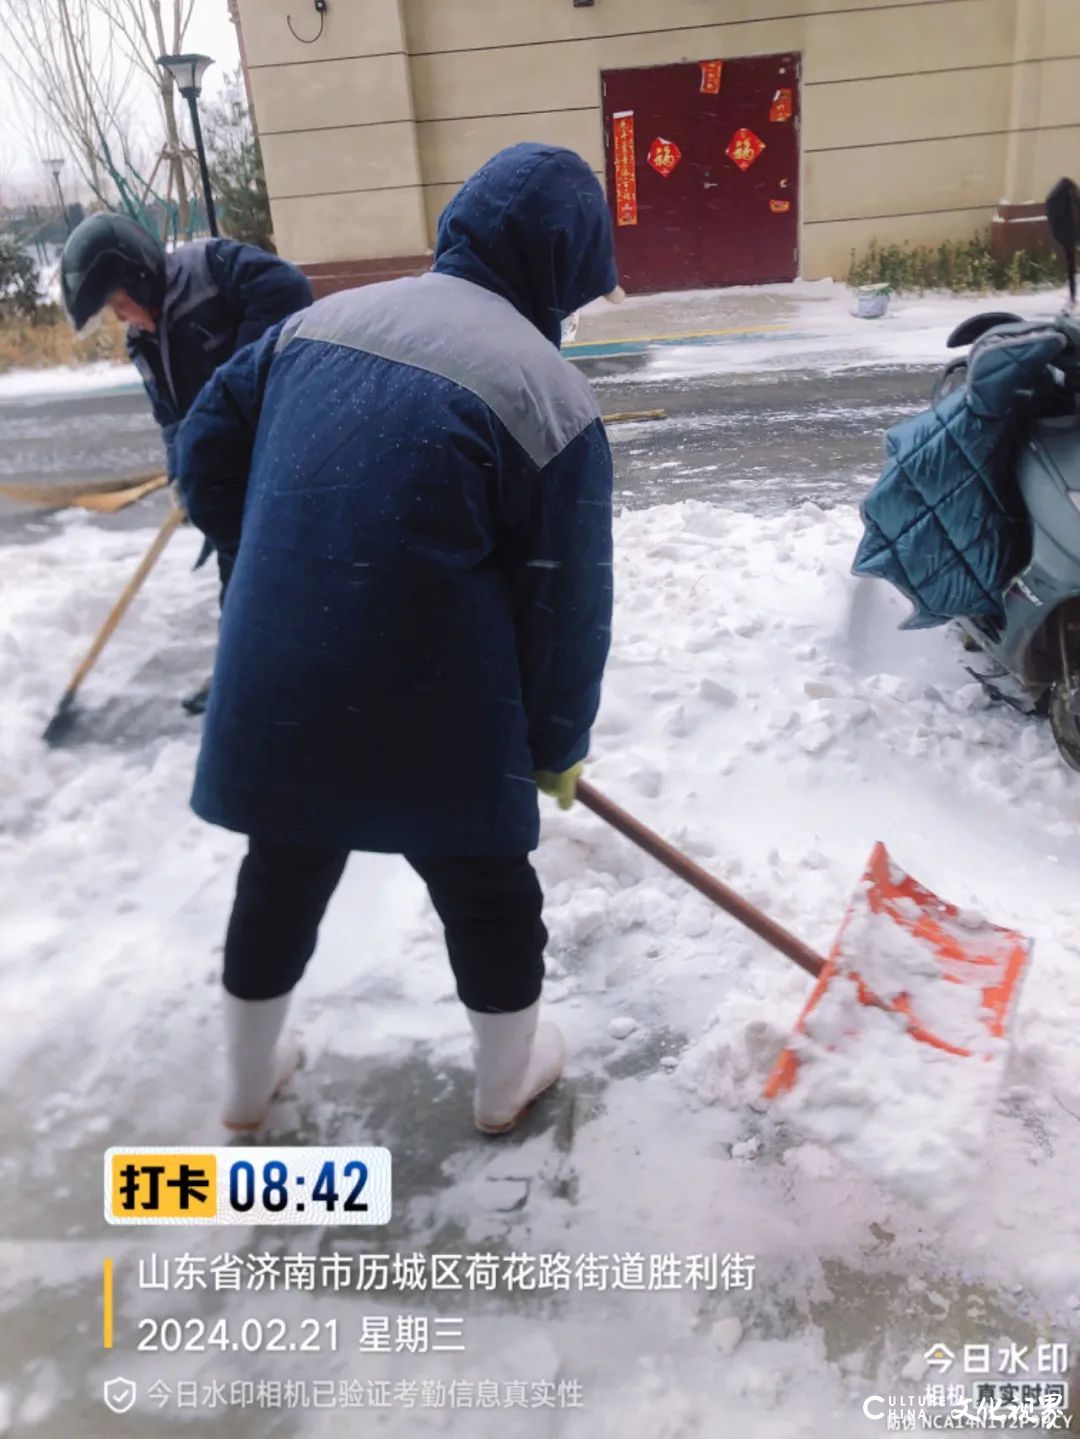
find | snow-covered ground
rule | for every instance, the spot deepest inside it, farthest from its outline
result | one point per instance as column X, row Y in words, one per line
column 763, row 712
column 810, row 322
column 68, row 380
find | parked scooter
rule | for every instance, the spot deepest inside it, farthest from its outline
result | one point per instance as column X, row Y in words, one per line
column 1037, row 639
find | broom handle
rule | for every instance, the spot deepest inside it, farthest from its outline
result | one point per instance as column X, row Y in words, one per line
column 705, row 883
column 131, row 589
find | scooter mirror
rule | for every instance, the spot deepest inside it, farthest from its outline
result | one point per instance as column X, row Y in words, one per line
column 1070, row 328
column 1063, row 217
column 969, row 330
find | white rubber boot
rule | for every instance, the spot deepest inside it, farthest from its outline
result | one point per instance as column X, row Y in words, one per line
column 517, row 1058
column 259, row 1058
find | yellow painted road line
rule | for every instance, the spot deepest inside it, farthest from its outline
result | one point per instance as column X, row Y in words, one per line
column 682, row 335
column 630, row 416
column 107, row 1305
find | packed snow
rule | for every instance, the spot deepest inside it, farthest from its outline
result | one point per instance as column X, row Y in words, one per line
column 905, row 1091
column 779, row 328
column 764, row 713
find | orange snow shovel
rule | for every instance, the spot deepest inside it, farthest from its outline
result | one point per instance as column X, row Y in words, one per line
column 890, row 915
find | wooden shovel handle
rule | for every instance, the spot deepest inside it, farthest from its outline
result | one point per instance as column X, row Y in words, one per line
column 173, row 522
column 705, row 883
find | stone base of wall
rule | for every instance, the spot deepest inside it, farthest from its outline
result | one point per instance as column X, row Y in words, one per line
column 1013, row 228
column 1020, row 227
column 330, row 275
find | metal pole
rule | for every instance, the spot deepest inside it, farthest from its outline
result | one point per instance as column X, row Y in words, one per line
column 63, row 207
column 211, row 214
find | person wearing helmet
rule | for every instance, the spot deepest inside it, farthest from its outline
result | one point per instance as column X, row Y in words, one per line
column 186, row 311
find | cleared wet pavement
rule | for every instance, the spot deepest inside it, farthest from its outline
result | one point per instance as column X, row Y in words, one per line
column 757, row 442
column 754, row 441
column 59, row 439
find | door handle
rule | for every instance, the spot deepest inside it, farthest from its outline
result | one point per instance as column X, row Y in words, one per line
column 710, row 184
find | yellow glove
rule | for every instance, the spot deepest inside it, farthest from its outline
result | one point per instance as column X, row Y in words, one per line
column 562, row 786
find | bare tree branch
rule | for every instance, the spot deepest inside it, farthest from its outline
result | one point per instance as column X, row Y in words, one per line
column 147, row 29
column 80, row 66
column 51, row 64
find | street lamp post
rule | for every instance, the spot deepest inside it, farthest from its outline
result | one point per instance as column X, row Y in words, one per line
column 187, row 72
column 56, row 165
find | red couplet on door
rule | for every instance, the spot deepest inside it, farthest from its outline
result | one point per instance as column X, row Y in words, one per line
column 709, row 152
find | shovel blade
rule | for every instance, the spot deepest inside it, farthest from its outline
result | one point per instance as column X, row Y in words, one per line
column 949, row 976
column 63, row 720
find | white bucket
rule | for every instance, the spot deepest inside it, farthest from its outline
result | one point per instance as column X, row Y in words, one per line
column 872, row 301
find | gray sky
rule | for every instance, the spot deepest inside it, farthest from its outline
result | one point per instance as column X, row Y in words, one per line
column 211, row 32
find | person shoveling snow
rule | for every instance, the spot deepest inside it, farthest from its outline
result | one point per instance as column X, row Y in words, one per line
column 419, row 608
column 186, row 311
column 415, row 489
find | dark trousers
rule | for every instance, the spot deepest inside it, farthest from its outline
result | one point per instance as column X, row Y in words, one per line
column 490, row 910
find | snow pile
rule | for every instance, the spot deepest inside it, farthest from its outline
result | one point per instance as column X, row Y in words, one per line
column 911, row 1114
column 761, row 711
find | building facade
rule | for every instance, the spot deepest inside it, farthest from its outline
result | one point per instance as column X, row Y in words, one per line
column 739, row 140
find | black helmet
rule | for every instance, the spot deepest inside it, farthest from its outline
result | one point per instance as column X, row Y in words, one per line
column 106, row 253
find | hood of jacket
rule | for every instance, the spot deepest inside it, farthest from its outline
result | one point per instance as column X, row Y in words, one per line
column 532, row 225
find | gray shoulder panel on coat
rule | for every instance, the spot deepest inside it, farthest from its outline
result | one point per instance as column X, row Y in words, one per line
column 188, row 281
column 470, row 336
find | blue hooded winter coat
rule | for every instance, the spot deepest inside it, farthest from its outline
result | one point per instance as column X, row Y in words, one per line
column 219, row 296
column 416, row 488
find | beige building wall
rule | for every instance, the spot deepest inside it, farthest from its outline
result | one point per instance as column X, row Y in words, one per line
column 338, row 128
column 919, row 117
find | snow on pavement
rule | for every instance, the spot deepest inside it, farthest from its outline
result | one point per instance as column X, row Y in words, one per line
column 92, row 378
column 762, row 711
column 808, row 324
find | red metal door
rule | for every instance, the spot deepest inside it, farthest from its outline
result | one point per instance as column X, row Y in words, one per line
column 703, row 172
